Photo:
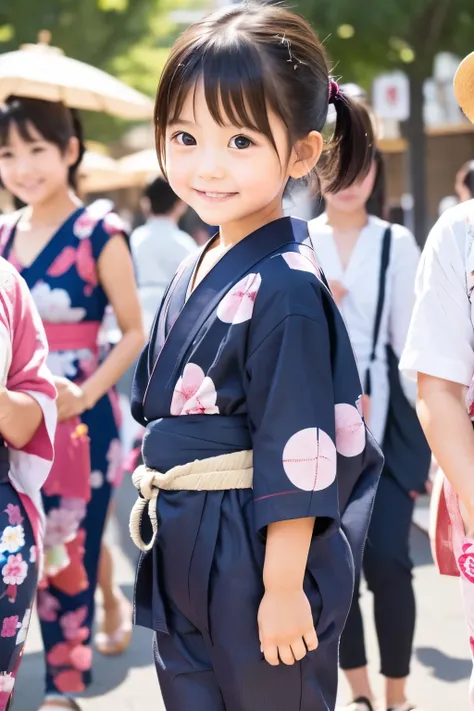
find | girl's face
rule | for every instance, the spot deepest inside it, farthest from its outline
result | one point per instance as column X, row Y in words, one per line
column 354, row 198
column 35, row 170
column 226, row 173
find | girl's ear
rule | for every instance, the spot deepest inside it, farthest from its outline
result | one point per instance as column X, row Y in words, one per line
column 305, row 155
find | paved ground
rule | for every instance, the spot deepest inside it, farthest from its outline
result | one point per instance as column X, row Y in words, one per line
column 441, row 663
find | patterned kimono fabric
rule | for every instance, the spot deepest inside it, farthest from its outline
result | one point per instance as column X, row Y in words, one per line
column 64, row 284
column 256, row 358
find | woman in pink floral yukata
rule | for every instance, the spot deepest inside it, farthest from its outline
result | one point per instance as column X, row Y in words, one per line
column 27, row 425
column 75, row 262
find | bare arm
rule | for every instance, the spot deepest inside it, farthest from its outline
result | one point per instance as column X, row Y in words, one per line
column 20, row 417
column 443, row 415
column 116, row 276
column 285, row 621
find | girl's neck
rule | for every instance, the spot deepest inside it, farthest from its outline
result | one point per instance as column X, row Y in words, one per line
column 346, row 221
column 234, row 232
column 53, row 211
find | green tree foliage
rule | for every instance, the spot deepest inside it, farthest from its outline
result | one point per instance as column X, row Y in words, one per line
column 364, row 39
column 128, row 38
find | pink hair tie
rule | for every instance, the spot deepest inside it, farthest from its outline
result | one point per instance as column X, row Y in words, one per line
column 333, row 91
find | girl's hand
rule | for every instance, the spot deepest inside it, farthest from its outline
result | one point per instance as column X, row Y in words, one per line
column 285, row 625
column 71, row 399
column 338, row 290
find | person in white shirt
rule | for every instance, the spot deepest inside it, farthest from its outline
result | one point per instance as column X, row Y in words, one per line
column 348, row 246
column 159, row 246
column 440, row 353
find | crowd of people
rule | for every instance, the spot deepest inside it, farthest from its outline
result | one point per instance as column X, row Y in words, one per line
column 271, row 365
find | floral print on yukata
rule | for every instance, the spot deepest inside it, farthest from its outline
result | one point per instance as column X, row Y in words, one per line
column 64, row 283
column 19, row 576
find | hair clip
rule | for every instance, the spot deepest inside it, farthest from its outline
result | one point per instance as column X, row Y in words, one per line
column 334, row 91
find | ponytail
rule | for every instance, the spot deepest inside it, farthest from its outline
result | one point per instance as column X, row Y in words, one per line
column 350, row 152
column 79, row 134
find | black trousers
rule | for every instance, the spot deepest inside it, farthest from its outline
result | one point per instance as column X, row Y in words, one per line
column 388, row 571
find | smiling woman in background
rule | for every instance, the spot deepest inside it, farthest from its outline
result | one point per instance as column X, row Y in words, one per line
column 75, row 262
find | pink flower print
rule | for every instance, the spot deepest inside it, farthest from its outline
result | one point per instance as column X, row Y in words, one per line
column 115, row 459
column 97, row 479
column 11, row 593
column 63, row 262
column 471, row 644
column 112, row 224
column 58, row 655
column 350, row 431
column 470, row 400
column 84, row 226
column 48, row 606
column 72, row 622
column 295, row 260
column 309, row 460
column 194, row 393
column 81, row 657
column 61, row 527
column 15, row 570
column 14, row 515
column 69, row 682
column 33, row 554
column 238, row 304
column 466, row 561
column 9, row 626
column 7, row 682
column 86, row 266
column 75, row 506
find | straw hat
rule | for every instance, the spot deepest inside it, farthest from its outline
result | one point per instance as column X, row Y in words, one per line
column 464, row 86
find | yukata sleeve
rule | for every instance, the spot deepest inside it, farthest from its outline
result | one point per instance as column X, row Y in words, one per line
column 109, row 226
column 440, row 339
column 28, row 373
column 291, row 409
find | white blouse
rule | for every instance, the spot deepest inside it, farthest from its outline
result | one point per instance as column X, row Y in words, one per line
column 441, row 336
column 358, row 308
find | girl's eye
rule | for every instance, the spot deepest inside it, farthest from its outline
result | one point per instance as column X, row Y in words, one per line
column 6, row 154
column 240, row 142
column 38, row 149
column 185, row 139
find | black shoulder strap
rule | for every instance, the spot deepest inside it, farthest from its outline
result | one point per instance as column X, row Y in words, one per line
column 384, row 260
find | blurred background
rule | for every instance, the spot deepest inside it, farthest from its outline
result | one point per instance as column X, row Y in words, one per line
column 402, row 53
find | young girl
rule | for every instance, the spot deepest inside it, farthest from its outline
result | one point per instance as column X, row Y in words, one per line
column 348, row 242
column 27, row 423
column 254, row 442
column 75, row 262
column 440, row 353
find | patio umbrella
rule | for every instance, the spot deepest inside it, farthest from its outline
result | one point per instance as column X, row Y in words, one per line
column 101, row 173
column 43, row 72
column 141, row 166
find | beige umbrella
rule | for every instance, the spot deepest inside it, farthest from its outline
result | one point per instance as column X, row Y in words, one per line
column 100, row 173
column 43, row 72
column 140, row 167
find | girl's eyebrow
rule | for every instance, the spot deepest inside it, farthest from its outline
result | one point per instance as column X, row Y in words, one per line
column 183, row 122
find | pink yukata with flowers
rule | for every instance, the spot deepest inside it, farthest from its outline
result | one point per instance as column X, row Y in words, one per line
column 64, row 283
column 23, row 352
column 255, row 358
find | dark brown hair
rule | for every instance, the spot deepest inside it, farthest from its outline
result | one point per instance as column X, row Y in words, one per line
column 53, row 120
column 468, row 177
column 253, row 57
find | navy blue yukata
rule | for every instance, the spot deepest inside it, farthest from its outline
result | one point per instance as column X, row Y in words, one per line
column 256, row 358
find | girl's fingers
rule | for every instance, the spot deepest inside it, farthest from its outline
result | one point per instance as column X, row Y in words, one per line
column 270, row 652
column 299, row 649
column 286, row 655
column 311, row 640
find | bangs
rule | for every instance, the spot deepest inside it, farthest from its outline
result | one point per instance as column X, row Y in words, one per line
column 237, row 88
column 13, row 115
